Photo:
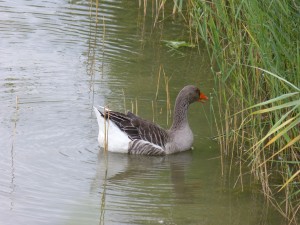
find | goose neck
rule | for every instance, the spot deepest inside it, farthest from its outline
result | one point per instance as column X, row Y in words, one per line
column 180, row 119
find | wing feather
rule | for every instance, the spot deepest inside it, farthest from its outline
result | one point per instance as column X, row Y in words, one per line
column 145, row 148
column 137, row 128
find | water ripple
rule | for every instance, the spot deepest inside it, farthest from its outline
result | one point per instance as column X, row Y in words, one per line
column 58, row 59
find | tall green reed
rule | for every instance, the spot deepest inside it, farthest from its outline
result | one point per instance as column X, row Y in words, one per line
column 255, row 56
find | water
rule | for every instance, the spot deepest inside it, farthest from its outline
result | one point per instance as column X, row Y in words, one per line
column 61, row 57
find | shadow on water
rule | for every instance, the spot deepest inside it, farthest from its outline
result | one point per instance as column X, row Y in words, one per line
column 59, row 59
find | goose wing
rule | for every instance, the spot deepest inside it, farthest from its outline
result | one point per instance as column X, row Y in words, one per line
column 137, row 128
column 141, row 147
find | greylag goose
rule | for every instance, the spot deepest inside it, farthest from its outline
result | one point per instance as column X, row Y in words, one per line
column 128, row 133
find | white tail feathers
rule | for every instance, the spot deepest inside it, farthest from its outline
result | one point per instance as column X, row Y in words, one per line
column 110, row 135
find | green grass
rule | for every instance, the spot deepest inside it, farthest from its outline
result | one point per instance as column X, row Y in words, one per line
column 255, row 55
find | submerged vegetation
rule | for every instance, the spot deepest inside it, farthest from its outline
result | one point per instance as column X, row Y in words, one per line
column 255, row 57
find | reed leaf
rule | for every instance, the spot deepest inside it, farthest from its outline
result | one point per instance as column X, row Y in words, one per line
column 293, row 141
column 278, row 77
column 289, row 180
column 284, row 131
column 282, row 106
column 279, row 98
column 274, row 129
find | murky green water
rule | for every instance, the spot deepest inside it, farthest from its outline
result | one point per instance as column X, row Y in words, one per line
column 57, row 60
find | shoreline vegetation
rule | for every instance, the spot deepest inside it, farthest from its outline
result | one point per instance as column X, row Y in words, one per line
column 254, row 48
column 255, row 56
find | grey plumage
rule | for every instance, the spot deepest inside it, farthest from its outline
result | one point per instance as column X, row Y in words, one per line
column 145, row 148
column 137, row 128
column 148, row 138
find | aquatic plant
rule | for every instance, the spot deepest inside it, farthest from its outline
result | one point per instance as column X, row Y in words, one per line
column 254, row 48
column 255, row 56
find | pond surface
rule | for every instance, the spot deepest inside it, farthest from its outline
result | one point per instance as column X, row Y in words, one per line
column 58, row 59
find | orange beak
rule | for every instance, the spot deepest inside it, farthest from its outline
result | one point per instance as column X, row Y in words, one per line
column 202, row 97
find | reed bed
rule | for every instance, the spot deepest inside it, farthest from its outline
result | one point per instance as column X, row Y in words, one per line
column 254, row 48
column 255, row 55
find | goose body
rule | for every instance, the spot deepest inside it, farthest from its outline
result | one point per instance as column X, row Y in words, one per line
column 128, row 133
